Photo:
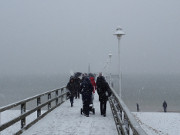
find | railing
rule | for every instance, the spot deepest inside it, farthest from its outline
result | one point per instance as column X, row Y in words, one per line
column 40, row 103
column 124, row 120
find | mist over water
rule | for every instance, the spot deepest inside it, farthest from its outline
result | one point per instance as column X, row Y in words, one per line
column 14, row 88
column 149, row 91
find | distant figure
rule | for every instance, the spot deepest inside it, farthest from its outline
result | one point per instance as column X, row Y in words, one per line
column 77, row 82
column 94, row 87
column 99, row 79
column 71, row 87
column 164, row 105
column 93, row 83
column 112, row 84
column 137, row 107
column 83, row 77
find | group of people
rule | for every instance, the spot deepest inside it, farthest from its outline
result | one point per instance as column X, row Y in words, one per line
column 164, row 105
column 86, row 87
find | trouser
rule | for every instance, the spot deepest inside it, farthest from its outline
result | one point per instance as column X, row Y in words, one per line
column 164, row 109
column 103, row 107
column 86, row 107
column 77, row 94
column 71, row 99
column 92, row 98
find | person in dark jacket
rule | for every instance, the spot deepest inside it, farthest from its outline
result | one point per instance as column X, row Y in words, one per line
column 99, row 79
column 71, row 87
column 77, row 82
column 86, row 91
column 104, row 92
column 164, row 106
column 83, row 77
column 137, row 105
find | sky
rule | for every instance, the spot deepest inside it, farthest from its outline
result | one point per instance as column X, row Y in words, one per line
column 60, row 36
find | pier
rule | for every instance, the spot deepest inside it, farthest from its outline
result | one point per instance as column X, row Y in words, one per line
column 34, row 110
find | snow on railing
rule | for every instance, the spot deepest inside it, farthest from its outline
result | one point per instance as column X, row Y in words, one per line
column 36, row 104
column 124, row 120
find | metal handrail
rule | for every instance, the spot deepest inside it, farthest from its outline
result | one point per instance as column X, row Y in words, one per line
column 58, row 94
column 124, row 120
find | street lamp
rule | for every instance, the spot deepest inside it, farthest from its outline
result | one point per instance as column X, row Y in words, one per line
column 110, row 55
column 119, row 34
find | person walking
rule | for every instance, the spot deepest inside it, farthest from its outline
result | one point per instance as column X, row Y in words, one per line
column 99, row 77
column 77, row 82
column 165, row 106
column 71, row 87
column 93, row 83
column 86, row 91
column 137, row 105
column 104, row 92
column 94, row 87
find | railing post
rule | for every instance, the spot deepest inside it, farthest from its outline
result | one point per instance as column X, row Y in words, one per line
column 57, row 96
column 38, row 103
column 126, row 124
column 0, row 122
column 49, row 104
column 122, row 116
column 62, row 98
column 121, row 111
column 130, row 131
column 23, row 110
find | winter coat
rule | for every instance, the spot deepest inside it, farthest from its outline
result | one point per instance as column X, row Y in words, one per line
column 86, row 89
column 93, row 83
column 164, row 104
column 103, row 89
column 71, row 87
column 99, row 80
column 77, row 82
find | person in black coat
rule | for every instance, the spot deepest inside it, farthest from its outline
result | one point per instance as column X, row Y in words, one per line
column 99, row 78
column 137, row 105
column 104, row 92
column 77, row 82
column 86, row 91
column 71, row 87
column 164, row 106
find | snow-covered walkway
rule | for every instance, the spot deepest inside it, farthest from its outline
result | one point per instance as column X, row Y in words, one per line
column 66, row 120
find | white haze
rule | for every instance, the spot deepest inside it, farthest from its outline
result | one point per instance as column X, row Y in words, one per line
column 53, row 37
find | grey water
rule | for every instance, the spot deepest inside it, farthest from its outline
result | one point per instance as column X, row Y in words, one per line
column 14, row 88
column 149, row 91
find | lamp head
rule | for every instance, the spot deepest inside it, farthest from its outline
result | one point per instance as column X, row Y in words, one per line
column 119, row 32
column 110, row 54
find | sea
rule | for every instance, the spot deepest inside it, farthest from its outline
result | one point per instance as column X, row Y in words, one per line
column 148, row 90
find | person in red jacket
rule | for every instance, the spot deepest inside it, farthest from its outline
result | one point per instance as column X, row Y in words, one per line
column 93, row 83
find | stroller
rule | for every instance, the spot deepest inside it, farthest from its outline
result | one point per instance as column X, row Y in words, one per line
column 91, row 106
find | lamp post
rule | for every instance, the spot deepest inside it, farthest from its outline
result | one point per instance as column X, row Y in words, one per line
column 110, row 55
column 119, row 34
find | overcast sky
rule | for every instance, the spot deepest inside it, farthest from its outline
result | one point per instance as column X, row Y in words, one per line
column 56, row 36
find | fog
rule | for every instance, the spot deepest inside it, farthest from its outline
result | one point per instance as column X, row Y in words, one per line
column 54, row 37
